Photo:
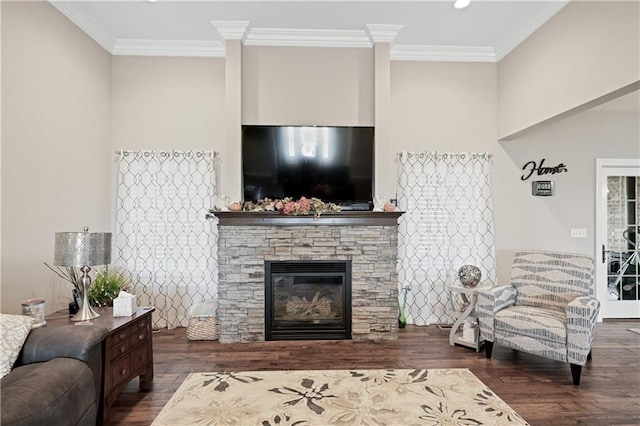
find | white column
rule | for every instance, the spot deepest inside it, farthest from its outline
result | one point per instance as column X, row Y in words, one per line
column 233, row 33
column 0, row 142
column 382, row 37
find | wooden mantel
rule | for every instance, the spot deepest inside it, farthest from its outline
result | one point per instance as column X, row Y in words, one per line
column 347, row 218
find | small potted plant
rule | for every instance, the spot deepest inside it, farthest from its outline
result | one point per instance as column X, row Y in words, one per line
column 106, row 286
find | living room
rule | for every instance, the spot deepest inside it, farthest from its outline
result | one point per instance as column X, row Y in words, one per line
column 68, row 105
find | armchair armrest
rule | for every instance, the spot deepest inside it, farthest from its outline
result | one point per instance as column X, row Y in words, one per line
column 582, row 317
column 490, row 301
column 69, row 341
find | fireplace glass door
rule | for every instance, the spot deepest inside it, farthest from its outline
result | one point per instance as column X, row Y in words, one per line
column 307, row 300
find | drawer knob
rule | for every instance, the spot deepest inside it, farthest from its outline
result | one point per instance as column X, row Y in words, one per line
column 123, row 372
column 141, row 337
column 122, row 336
column 122, row 349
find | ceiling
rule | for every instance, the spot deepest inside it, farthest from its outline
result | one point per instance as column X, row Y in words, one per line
column 426, row 30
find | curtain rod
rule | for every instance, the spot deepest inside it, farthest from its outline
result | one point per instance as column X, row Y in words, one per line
column 165, row 152
column 436, row 154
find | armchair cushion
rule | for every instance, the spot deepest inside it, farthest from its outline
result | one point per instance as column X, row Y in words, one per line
column 540, row 324
column 14, row 330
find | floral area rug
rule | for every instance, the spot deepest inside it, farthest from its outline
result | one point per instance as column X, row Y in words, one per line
column 336, row 397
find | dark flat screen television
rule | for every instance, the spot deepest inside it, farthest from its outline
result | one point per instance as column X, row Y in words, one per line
column 334, row 164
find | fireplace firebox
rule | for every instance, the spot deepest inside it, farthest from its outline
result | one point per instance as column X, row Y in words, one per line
column 307, row 300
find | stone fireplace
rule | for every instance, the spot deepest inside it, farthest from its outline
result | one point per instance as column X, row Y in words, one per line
column 250, row 244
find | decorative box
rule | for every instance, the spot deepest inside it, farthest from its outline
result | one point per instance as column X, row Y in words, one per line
column 124, row 305
column 469, row 330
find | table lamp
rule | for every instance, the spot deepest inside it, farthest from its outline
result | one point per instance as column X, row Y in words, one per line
column 83, row 250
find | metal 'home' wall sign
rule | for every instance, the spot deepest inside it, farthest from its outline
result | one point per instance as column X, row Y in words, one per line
column 532, row 167
column 541, row 187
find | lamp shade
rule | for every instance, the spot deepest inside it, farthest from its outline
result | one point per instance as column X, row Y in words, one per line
column 82, row 249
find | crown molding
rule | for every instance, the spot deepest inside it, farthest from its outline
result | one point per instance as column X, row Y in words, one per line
column 306, row 38
column 239, row 30
column 407, row 52
column 383, row 33
column 520, row 34
column 231, row 30
column 99, row 35
column 210, row 49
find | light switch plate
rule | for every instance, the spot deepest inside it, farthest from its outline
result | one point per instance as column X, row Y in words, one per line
column 578, row 232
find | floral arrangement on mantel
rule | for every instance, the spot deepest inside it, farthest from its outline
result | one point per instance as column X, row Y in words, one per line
column 288, row 206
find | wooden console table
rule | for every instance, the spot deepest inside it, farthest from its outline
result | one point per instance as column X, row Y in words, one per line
column 128, row 351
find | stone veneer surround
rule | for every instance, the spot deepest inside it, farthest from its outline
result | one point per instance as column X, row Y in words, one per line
column 246, row 240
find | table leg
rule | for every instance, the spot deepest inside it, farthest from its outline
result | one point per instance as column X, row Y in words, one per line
column 460, row 320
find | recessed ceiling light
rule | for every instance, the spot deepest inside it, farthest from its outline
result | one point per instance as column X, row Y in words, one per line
column 461, row 4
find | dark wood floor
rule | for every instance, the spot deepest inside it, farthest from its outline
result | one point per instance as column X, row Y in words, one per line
column 540, row 390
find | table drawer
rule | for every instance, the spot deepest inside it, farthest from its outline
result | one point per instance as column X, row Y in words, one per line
column 139, row 360
column 120, row 336
column 119, row 349
column 121, row 372
column 137, row 337
column 141, row 325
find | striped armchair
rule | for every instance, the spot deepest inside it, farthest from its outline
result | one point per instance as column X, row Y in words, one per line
column 548, row 310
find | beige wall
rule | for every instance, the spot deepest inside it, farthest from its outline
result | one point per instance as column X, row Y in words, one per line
column 586, row 51
column 307, row 86
column 55, row 140
column 440, row 106
column 155, row 106
column 546, row 222
column 303, row 86
column 577, row 142
column 167, row 103
column 452, row 107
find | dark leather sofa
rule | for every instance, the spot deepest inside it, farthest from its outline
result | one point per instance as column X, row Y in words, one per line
column 57, row 378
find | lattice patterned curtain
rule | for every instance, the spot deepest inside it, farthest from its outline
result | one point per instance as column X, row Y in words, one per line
column 162, row 239
column 448, row 223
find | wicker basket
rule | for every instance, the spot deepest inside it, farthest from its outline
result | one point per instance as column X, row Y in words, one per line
column 203, row 327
